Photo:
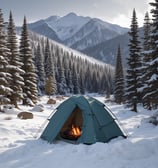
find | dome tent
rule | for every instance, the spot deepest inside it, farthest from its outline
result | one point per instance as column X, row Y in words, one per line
column 93, row 119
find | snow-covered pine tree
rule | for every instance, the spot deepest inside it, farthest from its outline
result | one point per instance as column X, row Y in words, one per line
column 39, row 62
column 49, row 67
column 119, row 79
column 17, row 81
column 146, row 39
column 94, row 81
column 133, row 74
column 88, row 75
column 5, row 76
column 99, row 74
column 146, row 57
column 101, row 80
column 75, row 80
column 48, row 62
column 152, row 81
column 82, row 80
column 65, row 63
column 70, row 80
column 57, row 55
column 53, row 49
column 62, row 87
column 30, row 77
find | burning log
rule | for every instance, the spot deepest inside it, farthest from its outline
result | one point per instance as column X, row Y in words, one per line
column 72, row 133
column 75, row 131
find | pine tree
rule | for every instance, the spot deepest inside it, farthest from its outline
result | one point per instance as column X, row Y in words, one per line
column 40, row 70
column 62, row 87
column 48, row 61
column 30, row 77
column 146, row 38
column 49, row 86
column 70, row 80
column 101, row 81
column 57, row 55
column 94, row 81
column 66, row 68
column 146, row 57
column 88, row 75
column 82, row 80
column 152, row 94
column 119, row 79
column 133, row 77
column 49, row 66
column 15, row 63
column 5, row 76
column 75, row 80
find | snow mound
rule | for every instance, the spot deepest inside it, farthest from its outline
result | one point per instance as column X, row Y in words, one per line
column 38, row 108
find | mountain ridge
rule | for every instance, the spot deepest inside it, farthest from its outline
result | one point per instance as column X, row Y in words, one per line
column 92, row 36
column 74, row 31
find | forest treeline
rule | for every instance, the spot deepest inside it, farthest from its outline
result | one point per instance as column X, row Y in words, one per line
column 32, row 65
column 36, row 65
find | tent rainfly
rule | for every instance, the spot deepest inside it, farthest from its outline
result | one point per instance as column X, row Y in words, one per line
column 82, row 119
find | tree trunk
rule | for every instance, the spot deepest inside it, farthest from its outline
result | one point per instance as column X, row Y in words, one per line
column 135, row 107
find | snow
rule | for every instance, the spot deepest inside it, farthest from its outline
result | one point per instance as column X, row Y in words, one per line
column 20, row 146
column 67, row 25
column 116, row 28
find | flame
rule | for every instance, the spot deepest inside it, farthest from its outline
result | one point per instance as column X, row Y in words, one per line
column 75, row 131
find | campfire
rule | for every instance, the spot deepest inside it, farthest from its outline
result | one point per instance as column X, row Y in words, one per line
column 72, row 133
column 75, row 132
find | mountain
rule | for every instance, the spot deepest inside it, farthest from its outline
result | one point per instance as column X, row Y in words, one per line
column 75, row 31
column 66, row 26
column 41, row 27
column 107, row 50
column 92, row 33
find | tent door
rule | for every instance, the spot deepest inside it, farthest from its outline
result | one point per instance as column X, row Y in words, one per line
column 72, row 128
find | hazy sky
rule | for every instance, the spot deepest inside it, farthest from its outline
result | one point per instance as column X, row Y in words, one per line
column 113, row 11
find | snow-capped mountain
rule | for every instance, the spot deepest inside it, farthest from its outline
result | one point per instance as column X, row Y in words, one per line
column 93, row 33
column 41, row 27
column 75, row 31
column 66, row 26
column 107, row 50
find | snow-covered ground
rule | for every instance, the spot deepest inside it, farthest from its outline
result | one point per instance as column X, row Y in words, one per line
column 20, row 146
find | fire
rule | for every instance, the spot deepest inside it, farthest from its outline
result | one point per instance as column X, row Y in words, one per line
column 75, row 131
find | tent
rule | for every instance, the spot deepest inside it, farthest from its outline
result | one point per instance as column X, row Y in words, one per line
column 91, row 120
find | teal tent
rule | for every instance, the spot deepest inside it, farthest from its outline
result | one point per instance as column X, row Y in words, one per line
column 91, row 120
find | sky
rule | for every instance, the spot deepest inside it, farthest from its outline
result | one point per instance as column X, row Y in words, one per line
column 113, row 11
